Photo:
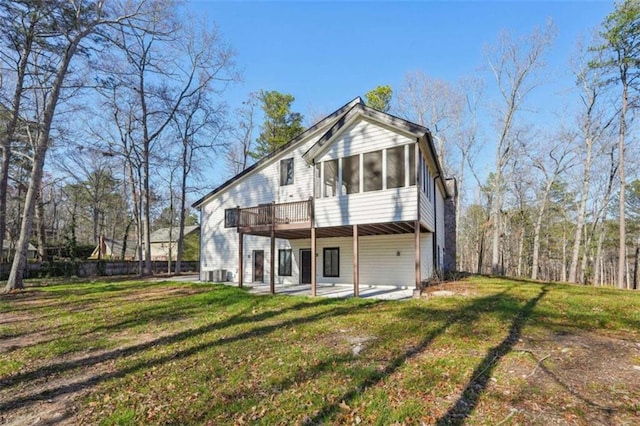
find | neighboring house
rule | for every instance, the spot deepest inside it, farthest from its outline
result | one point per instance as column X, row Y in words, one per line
column 112, row 249
column 165, row 241
column 358, row 198
column 9, row 248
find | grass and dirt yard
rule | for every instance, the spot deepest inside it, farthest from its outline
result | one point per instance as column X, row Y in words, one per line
column 495, row 352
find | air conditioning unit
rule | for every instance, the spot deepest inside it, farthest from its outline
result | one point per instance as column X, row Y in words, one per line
column 217, row 275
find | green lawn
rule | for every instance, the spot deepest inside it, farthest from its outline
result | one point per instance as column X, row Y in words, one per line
column 167, row 353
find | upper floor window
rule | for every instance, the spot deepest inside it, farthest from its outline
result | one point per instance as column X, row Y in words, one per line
column 330, row 182
column 395, row 167
column 351, row 174
column 412, row 164
column 389, row 168
column 372, row 169
column 231, row 218
column 286, row 171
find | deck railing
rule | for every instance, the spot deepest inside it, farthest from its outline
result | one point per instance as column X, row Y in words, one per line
column 284, row 213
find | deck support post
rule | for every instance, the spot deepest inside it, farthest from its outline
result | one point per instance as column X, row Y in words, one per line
column 272, row 277
column 311, row 207
column 356, row 271
column 240, row 259
column 417, row 250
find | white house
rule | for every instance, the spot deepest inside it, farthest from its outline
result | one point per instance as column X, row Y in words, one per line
column 359, row 198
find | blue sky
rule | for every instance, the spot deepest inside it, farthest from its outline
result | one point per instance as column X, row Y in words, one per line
column 326, row 53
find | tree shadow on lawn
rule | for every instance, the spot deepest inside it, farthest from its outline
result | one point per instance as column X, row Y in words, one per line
column 173, row 307
column 71, row 298
column 470, row 397
column 468, row 314
column 240, row 318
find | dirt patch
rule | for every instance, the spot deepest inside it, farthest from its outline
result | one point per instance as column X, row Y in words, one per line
column 449, row 288
column 50, row 395
column 573, row 375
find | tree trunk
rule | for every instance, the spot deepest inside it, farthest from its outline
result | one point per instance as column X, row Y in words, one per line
column 42, row 249
column 622, row 249
column 19, row 264
column 575, row 254
column 146, row 218
column 4, row 185
column 480, row 253
column 183, row 195
column 598, row 278
column 520, row 253
column 537, row 228
column 495, row 218
column 635, row 267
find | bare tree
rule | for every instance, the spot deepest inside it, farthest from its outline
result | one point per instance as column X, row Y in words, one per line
column 592, row 124
column 514, row 64
column 162, row 82
column 432, row 103
column 198, row 126
column 620, row 50
column 465, row 130
column 552, row 161
column 238, row 151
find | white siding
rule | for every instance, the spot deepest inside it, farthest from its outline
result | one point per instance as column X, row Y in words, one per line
column 390, row 205
column 379, row 261
column 426, row 210
column 364, row 136
column 426, row 255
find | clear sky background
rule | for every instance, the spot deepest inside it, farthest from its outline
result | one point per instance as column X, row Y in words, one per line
column 327, row 53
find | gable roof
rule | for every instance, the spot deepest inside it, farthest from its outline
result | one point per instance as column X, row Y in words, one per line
column 114, row 249
column 365, row 111
column 340, row 111
column 422, row 134
column 162, row 235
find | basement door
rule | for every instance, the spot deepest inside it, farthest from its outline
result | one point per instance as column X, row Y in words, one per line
column 305, row 266
column 258, row 266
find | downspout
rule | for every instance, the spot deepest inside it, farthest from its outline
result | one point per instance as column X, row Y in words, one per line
column 201, row 248
column 435, row 224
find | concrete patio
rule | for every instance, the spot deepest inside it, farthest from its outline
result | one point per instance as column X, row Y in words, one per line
column 322, row 290
column 336, row 291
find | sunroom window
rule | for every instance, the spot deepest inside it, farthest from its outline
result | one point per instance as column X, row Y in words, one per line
column 351, row 174
column 372, row 171
column 330, row 183
column 395, row 167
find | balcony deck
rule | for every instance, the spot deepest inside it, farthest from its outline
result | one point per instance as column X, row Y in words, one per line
column 261, row 220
